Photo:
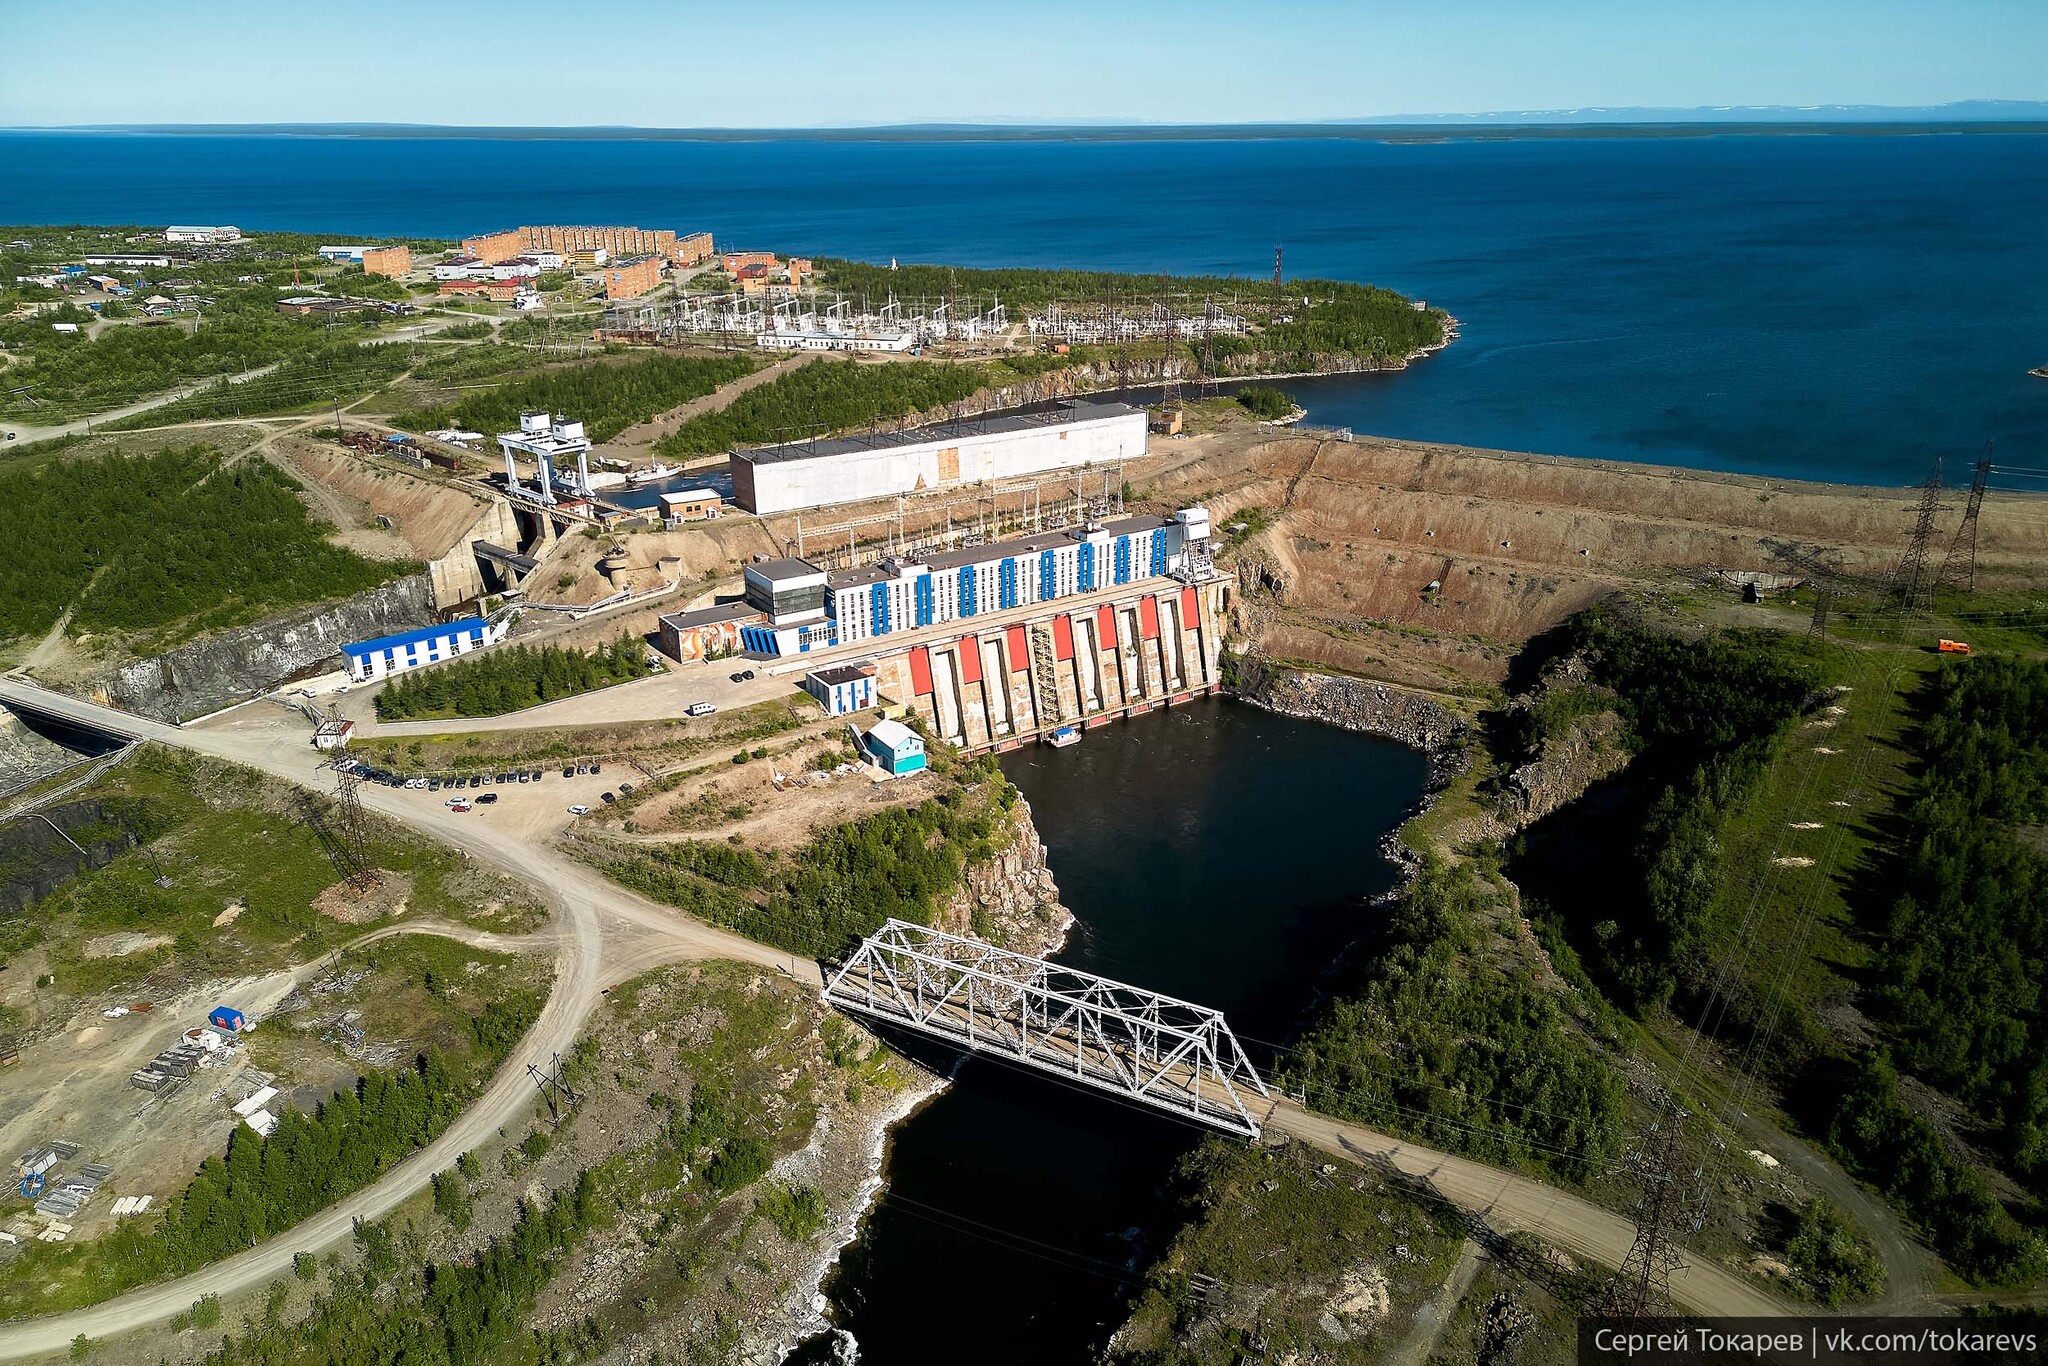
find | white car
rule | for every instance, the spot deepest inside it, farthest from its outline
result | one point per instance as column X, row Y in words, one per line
column 456, row 801
column 579, row 810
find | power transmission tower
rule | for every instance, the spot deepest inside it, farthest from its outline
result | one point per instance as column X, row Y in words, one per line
column 1671, row 1200
column 553, row 1081
column 347, row 837
column 1822, row 591
column 1959, row 566
column 1912, row 580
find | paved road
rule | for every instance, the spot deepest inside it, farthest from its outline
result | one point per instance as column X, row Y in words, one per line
column 1511, row 1203
column 605, row 935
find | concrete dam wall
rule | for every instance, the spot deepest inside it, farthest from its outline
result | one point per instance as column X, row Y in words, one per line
column 995, row 688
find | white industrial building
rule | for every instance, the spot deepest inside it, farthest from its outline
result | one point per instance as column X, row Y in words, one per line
column 897, row 342
column 212, row 235
column 808, row 474
column 343, row 253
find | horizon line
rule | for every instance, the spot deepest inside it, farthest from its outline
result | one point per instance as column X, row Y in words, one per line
column 1954, row 113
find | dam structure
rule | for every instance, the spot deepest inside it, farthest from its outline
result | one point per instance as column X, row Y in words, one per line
column 992, row 645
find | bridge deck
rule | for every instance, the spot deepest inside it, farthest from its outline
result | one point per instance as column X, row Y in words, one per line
column 1167, row 1054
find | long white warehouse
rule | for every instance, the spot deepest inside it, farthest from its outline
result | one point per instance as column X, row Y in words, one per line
column 851, row 469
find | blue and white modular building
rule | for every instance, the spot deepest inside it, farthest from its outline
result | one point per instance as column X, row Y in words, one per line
column 370, row 660
column 843, row 688
column 808, row 609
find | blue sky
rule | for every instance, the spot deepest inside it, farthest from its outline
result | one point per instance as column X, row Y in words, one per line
column 806, row 63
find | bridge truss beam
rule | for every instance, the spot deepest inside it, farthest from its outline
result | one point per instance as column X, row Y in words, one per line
column 1153, row 1049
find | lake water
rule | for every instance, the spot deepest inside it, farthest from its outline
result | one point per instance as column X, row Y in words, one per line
column 1213, row 852
column 1838, row 307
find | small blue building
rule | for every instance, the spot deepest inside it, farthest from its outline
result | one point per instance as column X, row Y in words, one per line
column 847, row 688
column 228, row 1018
column 894, row 748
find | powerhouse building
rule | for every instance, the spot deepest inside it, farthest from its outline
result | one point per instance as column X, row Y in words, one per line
column 808, row 474
column 798, row 607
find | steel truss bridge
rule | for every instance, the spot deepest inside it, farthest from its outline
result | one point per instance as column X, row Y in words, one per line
column 1165, row 1053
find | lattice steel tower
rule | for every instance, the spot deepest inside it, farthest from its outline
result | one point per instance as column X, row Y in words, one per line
column 1959, row 566
column 1913, row 581
column 1671, row 1201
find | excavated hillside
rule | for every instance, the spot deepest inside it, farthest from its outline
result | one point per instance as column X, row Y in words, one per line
column 1428, row 564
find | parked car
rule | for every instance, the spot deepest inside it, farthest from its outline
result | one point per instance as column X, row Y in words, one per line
column 579, row 810
column 433, row 784
column 739, row 678
column 462, row 805
column 582, row 769
column 568, row 770
column 536, row 775
column 486, row 799
column 505, row 777
column 747, row 677
column 455, row 801
column 524, row 777
column 596, row 767
column 701, row 708
column 625, row 789
column 608, row 798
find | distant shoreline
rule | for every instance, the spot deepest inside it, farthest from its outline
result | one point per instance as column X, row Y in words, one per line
column 1462, row 131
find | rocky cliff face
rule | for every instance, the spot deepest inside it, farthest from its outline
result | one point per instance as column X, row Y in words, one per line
column 1355, row 704
column 236, row 665
column 1011, row 899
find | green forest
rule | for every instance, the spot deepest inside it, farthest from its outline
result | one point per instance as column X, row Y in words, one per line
column 1703, row 718
column 1967, row 928
column 606, row 396
column 1425, row 1034
column 826, row 396
column 1339, row 317
column 172, row 538
column 510, row 678
column 836, row 889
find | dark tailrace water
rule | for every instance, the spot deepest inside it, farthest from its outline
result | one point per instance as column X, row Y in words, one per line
column 1214, row 852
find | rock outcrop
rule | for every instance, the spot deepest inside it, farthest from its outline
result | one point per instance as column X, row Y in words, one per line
column 236, row 665
column 1010, row 898
column 1355, row 704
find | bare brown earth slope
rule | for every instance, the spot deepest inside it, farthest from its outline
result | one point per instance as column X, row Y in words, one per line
column 1427, row 565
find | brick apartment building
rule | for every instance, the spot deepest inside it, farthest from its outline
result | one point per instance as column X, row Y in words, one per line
column 733, row 262
column 389, row 262
column 692, row 250
column 493, row 247
column 630, row 279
